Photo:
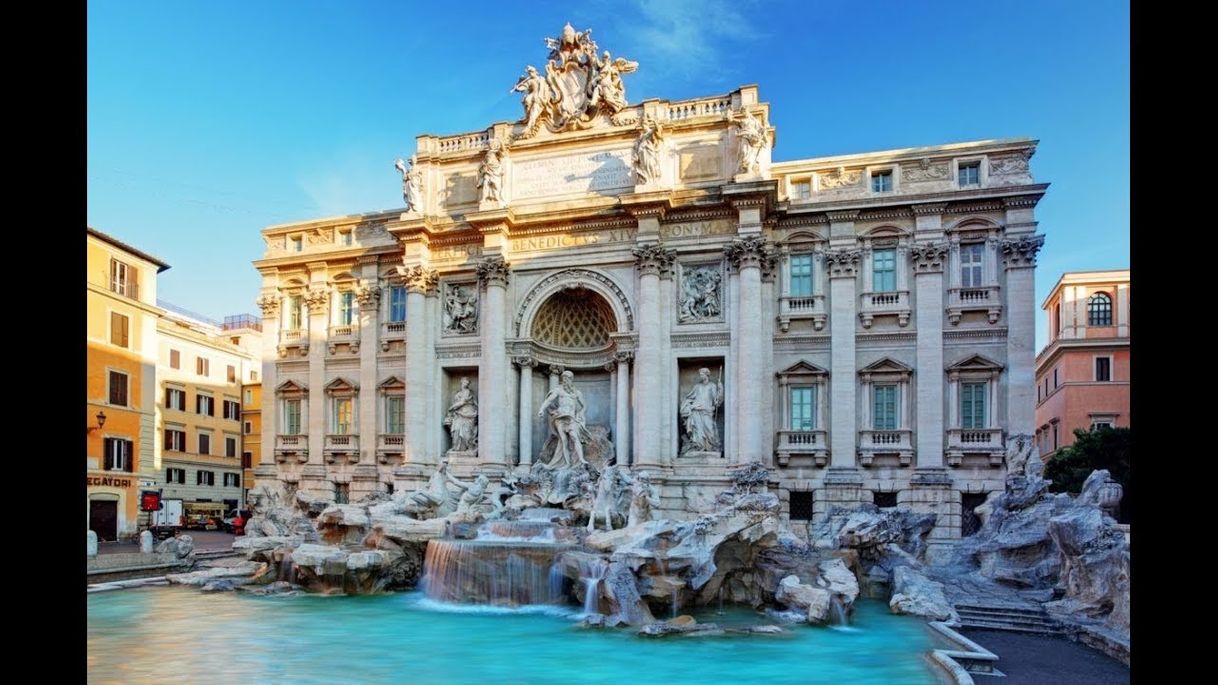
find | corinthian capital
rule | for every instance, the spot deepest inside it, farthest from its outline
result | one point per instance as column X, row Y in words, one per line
column 419, row 279
column 928, row 257
column 748, row 252
column 269, row 304
column 316, row 300
column 493, row 271
column 368, row 296
column 1020, row 253
column 842, row 263
column 653, row 258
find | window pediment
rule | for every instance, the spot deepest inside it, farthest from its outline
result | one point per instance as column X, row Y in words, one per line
column 886, row 368
column 291, row 388
column 341, row 387
column 802, row 371
column 975, row 362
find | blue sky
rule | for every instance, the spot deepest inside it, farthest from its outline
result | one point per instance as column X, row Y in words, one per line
column 210, row 121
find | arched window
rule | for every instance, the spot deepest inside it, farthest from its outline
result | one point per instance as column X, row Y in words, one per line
column 1099, row 310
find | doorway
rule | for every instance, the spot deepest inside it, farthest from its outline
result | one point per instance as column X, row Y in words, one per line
column 103, row 519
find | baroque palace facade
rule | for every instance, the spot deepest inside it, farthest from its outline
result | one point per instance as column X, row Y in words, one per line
column 646, row 277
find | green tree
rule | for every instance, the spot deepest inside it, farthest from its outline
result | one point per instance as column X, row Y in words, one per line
column 1103, row 448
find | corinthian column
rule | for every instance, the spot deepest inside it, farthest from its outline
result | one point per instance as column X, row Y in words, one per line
column 492, row 375
column 928, row 261
column 747, row 256
column 419, row 281
column 369, row 297
column 843, row 267
column 1019, row 259
column 317, row 300
column 525, row 408
column 649, row 259
column 621, row 438
column 269, row 304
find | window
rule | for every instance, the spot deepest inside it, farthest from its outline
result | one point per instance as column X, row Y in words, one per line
column 175, row 476
column 175, row 359
column 969, row 174
column 124, row 279
column 205, row 404
column 202, row 366
column 249, row 428
column 253, row 376
column 291, row 417
column 230, row 446
column 395, row 414
column 884, row 271
column 1103, row 368
column 294, row 313
column 346, row 308
column 397, row 303
column 231, row 373
column 801, row 190
column 970, row 264
column 342, row 493
column 119, row 328
column 175, row 399
column 884, row 403
column 801, row 275
column 175, row 440
column 800, row 507
column 204, row 443
column 297, row 243
column 885, row 500
column 249, row 396
column 247, row 459
column 118, row 388
column 803, row 408
column 1055, row 436
column 232, row 409
column 205, row 478
column 881, row 182
column 232, row 480
column 1054, row 378
column 344, row 237
column 1099, row 424
column 972, row 405
column 1057, row 319
column 1099, row 310
column 118, row 454
column 342, row 415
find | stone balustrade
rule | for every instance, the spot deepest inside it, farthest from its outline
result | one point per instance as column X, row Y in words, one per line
column 895, row 302
column 874, row 443
column 794, row 308
column 987, row 442
column 813, row 443
column 985, row 299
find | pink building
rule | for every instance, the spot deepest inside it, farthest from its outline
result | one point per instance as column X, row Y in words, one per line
column 1082, row 375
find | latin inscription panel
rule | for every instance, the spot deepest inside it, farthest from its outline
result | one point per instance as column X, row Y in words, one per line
column 587, row 172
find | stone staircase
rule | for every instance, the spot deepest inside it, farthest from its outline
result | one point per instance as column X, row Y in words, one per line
column 1021, row 619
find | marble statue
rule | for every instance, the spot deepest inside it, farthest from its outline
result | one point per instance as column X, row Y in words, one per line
column 643, row 498
column 751, row 139
column 490, row 175
column 698, row 411
column 462, row 419
column 647, row 153
column 412, row 185
column 607, row 87
column 439, row 497
column 565, row 407
column 609, row 490
column 700, row 294
column 474, row 497
column 460, row 309
column 536, row 96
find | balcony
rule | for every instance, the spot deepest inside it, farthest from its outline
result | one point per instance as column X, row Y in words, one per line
column 986, row 442
column 340, row 445
column 984, row 299
column 296, row 338
column 801, row 307
column 125, row 288
column 390, row 447
column 813, row 444
column 886, row 443
column 893, row 303
column 288, row 447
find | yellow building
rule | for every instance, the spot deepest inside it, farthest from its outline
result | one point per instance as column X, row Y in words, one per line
column 120, row 396
column 201, row 369
column 251, row 429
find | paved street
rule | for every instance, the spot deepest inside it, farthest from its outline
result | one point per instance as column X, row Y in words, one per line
column 1035, row 659
column 205, row 541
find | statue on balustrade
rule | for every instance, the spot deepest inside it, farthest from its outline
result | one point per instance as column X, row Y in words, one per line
column 698, row 411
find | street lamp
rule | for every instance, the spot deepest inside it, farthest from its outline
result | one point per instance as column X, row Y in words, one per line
column 101, row 421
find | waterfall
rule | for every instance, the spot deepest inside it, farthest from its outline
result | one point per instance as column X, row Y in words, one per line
column 839, row 611
column 496, row 572
column 287, row 568
column 592, row 571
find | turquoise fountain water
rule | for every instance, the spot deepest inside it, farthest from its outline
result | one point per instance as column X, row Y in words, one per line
column 149, row 634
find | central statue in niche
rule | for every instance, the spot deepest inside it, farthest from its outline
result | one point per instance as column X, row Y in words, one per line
column 565, row 406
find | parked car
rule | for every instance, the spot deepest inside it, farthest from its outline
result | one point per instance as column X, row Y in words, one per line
column 227, row 523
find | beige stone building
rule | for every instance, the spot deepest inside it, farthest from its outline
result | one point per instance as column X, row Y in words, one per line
column 865, row 321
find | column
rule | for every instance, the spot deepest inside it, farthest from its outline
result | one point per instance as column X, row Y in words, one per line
column 667, row 381
column 318, row 301
column 492, row 374
column 524, row 436
column 369, row 297
column 843, row 268
column 649, row 259
column 765, row 331
column 1020, row 263
column 621, row 438
column 419, row 281
column 928, row 261
column 269, row 302
column 747, row 255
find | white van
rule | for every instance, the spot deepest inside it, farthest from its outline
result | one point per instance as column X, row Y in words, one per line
column 168, row 519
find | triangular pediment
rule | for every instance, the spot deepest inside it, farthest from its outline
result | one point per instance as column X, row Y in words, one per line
column 341, row 384
column 975, row 362
column 803, row 368
column 391, row 383
column 886, row 365
column 290, row 387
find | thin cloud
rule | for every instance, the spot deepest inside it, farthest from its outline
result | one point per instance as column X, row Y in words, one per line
column 686, row 37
